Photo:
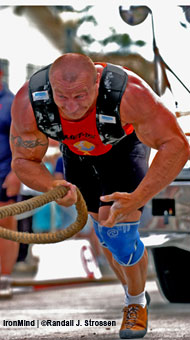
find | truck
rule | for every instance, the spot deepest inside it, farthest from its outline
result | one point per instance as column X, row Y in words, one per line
column 165, row 231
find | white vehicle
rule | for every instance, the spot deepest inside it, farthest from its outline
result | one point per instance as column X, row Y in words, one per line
column 165, row 230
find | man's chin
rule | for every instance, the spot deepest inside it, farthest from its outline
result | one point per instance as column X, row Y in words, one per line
column 75, row 116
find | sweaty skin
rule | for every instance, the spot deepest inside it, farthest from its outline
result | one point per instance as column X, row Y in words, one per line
column 75, row 83
column 156, row 127
column 76, row 95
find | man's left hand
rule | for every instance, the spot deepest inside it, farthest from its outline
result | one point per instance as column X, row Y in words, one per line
column 123, row 205
column 11, row 184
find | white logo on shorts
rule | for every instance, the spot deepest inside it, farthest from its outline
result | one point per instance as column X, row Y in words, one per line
column 112, row 233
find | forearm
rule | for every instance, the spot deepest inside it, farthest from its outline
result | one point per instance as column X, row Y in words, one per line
column 164, row 168
column 33, row 174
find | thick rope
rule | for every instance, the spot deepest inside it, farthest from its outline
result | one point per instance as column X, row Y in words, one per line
column 38, row 201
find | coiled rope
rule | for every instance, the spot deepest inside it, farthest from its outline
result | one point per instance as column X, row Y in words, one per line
column 38, row 201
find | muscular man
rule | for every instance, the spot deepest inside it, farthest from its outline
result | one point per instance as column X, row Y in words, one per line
column 101, row 114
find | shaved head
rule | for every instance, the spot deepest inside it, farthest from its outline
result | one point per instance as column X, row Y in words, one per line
column 75, row 82
column 72, row 65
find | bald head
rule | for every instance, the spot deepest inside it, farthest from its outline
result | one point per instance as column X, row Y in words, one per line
column 75, row 84
column 72, row 65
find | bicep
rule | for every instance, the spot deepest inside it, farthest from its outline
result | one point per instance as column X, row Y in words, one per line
column 29, row 146
column 158, row 128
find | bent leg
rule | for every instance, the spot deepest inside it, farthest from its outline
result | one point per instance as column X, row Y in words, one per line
column 133, row 276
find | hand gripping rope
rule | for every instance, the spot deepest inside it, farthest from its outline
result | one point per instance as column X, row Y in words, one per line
column 38, row 201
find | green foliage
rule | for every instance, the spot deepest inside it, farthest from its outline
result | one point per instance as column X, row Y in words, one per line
column 123, row 40
column 139, row 43
column 89, row 18
column 88, row 39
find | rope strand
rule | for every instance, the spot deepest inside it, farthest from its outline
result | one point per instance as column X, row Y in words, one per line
column 38, row 201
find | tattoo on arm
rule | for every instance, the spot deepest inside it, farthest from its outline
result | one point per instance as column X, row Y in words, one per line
column 18, row 141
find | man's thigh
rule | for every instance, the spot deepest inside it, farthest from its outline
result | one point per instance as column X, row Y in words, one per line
column 82, row 173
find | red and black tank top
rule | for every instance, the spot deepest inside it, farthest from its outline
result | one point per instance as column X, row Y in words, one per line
column 95, row 133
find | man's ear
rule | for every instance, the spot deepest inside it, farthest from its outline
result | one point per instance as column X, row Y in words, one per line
column 98, row 78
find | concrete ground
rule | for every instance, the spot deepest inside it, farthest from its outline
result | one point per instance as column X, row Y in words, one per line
column 36, row 315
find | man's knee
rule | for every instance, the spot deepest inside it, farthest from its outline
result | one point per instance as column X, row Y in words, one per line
column 123, row 241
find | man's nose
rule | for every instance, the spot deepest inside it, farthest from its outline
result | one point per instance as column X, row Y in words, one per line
column 71, row 105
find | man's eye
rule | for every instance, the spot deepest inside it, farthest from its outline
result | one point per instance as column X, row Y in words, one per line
column 80, row 96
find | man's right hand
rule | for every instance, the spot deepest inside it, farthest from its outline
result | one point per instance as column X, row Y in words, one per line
column 71, row 197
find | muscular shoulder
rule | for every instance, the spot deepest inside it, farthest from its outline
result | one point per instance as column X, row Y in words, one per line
column 138, row 100
column 154, row 123
column 22, row 112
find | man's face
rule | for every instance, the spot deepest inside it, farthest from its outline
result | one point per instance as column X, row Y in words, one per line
column 74, row 99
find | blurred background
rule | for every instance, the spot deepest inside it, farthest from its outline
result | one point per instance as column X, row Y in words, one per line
column 34, row 36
